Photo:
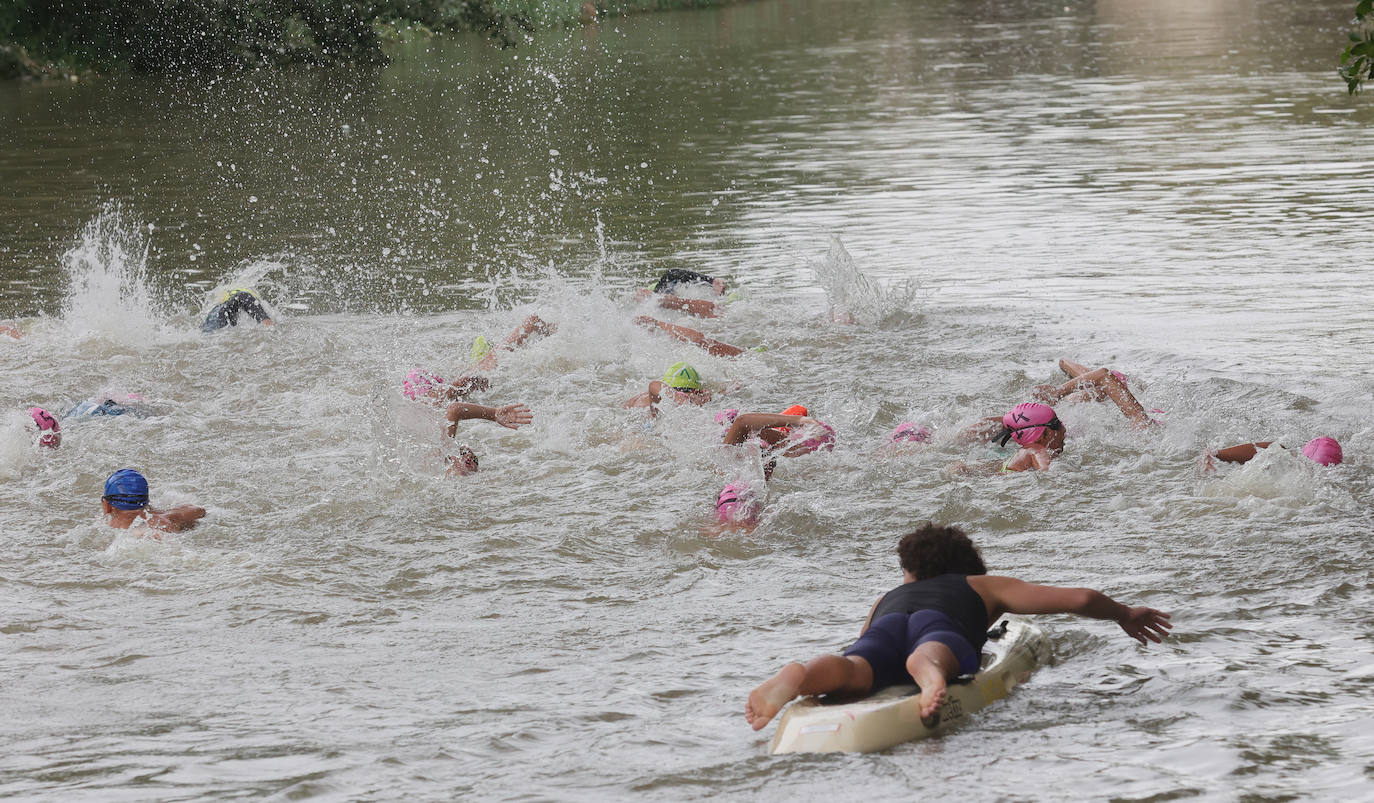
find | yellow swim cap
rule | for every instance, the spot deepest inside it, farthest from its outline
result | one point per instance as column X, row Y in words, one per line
column 480, row 348
column 682, row 376
column 230, row 293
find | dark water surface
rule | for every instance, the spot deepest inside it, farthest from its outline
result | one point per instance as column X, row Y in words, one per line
column 1176, row 189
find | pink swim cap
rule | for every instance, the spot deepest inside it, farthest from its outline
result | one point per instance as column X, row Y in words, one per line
column 908, row 432
column 824, row 439
column 727, row 416
column 1323, row 450
column 419, row 382
column 1027, row 422
column 736, row 504
column 48, row 427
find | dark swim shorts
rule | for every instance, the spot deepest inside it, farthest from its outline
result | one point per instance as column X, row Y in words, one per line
column 889, row 640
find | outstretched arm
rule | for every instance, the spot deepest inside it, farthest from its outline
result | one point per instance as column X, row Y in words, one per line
column 1072, row 369
column 511, row 416
column 688, row 335
column 1009, row 595
column 177, row 519
column 692, row 306
column 746, row 424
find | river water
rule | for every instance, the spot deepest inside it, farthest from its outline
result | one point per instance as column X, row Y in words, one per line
column 1175, row 189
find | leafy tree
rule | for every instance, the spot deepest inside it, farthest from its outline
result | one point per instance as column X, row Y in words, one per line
column 1358, row 58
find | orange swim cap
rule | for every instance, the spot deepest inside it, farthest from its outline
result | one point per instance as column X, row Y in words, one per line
column 795, row 409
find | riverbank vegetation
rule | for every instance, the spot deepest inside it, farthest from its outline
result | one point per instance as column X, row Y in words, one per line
column 44, row 37
column 1357, row 61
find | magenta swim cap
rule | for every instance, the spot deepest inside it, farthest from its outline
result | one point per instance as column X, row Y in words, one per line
column 1027, row 422
column 47, row 427
column 1323, row 450
column 819, row 436
column 419, row 382
column 736, row 503
column 908, row 432
column 727, row 416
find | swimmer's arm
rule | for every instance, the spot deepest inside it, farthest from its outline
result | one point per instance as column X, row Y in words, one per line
column 692, row 306
column 1009, row 595
column 1240, row 453
column 511, row 416
column 746, row 424
column 688, row 335
column 868, row 621
column 466, row 385
column 1072, row 369
column 176, row 520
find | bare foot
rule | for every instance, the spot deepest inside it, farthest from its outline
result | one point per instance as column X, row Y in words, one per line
column 768, row 699
column 929, row 676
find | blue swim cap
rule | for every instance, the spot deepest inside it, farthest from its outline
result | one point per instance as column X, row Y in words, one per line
column 126, row 489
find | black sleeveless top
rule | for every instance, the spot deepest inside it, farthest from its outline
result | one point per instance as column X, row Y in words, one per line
column 949, row 594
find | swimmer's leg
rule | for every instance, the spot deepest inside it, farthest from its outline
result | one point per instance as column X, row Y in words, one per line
column 824, row 675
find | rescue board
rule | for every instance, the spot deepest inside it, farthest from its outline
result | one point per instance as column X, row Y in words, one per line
column 1015, row 648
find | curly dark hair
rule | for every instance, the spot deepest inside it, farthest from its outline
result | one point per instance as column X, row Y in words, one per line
column 933, row 550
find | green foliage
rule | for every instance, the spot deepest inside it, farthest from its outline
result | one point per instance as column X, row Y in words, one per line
column 1357, row 60
column 152, row 35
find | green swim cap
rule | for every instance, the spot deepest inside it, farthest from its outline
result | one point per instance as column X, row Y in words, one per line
column 733, row 296
column 682, row 376
column 480, row 348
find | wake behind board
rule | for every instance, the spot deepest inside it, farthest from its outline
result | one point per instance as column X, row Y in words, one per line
column 892, row 716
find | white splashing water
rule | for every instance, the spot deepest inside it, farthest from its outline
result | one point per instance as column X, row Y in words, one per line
column 108, row 295
column 855, row 298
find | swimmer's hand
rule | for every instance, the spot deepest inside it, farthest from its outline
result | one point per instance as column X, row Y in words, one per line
column 1145, row 624
column 1206, row 464
column 513, row 416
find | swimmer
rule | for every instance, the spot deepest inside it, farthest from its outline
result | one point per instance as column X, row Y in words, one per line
column 793, row 431
column 688, row 335
column 665, row 292
column 681, row 384
column 932, row 627
column 129, row 404
column 738, row 506
column 1323, row 451
column 484, row 355
column 231, row 304
column 11, row 331
column 510, row 416
column 125, row 503
column 906, row 438
column 1098, row 385
column 49, row 431
column 1036, row 429
column 462, row 464
column 426, row 386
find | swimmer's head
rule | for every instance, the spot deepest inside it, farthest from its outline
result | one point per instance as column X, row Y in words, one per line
column 1027, row 422
column 233, row 291
column 463, row 463
column 682, row 376
column 126, row 489
column 908, row 432
column 727, row 416
column 480, row 348
column 1323, row 450
column 48, row 427
column 418, row 383
column 736, row 504
column 796, row 409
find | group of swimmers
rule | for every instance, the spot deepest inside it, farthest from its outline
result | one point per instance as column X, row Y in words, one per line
column 929, row 629
column 125, row 500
